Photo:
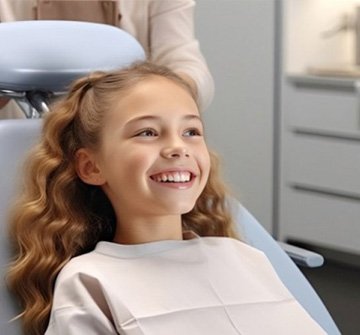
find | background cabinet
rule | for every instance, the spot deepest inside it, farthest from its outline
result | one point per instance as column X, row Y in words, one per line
column 320, row 184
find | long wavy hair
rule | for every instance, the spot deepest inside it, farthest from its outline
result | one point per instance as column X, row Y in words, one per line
column 58, row 216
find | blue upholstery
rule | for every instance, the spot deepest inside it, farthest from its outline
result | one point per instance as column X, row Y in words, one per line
column 42, row 58
column 49, row 55
column 16, row 138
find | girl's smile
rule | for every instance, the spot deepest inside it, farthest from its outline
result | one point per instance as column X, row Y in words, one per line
column 177, row 179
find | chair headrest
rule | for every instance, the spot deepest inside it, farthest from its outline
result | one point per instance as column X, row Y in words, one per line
column 48, row 55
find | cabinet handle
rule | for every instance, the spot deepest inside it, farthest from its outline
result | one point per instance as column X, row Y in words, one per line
column 357, row 90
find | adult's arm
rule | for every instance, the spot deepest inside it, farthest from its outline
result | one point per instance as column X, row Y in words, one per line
column 173, row 44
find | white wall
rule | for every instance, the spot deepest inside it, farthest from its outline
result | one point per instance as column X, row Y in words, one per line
column 237, row 39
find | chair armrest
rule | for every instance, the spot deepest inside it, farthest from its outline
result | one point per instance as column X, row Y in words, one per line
column 302, row 256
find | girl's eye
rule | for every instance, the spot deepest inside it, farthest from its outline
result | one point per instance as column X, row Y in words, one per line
column 192, row 132
column 147, row 133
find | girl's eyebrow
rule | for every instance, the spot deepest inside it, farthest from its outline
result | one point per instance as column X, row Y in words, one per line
column 157, row 118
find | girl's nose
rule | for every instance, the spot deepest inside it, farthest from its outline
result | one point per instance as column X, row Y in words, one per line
column 175, row 152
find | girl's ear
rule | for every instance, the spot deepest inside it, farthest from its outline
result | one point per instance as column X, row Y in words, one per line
column 87, row 169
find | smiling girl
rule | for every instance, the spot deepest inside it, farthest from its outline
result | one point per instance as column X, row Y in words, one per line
column 123, row 226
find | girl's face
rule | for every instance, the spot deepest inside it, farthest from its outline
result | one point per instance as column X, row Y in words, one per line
column 153, row 160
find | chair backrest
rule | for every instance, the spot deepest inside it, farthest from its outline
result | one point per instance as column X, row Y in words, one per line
column 16, row 138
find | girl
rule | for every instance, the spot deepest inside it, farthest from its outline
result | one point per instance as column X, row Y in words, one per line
column 123, row 228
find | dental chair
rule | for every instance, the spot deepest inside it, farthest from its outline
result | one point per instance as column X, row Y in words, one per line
column 33, row 72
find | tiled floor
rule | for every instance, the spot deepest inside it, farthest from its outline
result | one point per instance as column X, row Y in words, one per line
column 339, row 288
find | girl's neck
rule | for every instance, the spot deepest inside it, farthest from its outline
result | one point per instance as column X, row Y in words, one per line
column 145, row 230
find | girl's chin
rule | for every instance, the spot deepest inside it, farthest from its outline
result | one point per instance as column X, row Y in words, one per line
column 178, row 208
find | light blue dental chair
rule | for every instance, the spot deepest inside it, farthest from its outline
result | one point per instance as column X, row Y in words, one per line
column 32, row 80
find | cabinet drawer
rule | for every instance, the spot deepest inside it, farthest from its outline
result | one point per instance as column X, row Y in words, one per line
column 322, row 220
column 329, row 164
column 325, row 109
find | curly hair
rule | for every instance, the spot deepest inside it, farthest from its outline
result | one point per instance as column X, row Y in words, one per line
column 58, row 216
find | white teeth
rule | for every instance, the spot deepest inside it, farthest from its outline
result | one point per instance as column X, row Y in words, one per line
column 184, row 177
column 177, row 177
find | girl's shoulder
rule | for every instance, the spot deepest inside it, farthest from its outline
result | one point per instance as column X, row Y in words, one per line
column 82, row 264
